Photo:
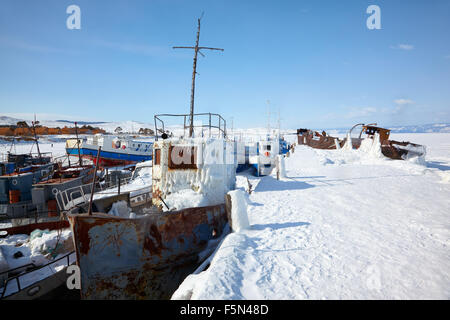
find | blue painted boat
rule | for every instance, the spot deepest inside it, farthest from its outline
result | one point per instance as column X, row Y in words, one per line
column 15, row 190
column 115, row 151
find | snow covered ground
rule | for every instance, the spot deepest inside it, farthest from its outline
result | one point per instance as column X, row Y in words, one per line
column 40, row 248
column 343, row 224
column 55, row 145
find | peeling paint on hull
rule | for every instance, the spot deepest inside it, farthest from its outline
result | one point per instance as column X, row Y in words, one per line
column 143, row 258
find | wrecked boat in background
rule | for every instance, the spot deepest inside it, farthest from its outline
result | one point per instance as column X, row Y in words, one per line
column 149, row 255
column 317, row 140
column 390, row 148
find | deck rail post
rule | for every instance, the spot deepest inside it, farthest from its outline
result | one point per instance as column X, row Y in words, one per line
column 93, row 181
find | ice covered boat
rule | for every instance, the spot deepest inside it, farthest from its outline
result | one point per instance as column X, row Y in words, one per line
column 397, row 150
column 265, row 158
column 260, row 156
column 390, row 148
column 148, row 256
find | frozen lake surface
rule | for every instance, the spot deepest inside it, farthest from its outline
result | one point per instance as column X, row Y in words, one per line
column 342, row 225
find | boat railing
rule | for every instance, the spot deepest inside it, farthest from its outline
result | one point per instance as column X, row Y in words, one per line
column 80, row 195
column 34, row 268
column 362, row 128
column 10, row 156
column 211, row 120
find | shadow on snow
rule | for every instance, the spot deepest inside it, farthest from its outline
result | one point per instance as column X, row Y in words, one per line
column 271, row 184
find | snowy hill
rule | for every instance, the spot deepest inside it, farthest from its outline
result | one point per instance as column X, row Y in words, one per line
column 4, row 120
column 132, row 126
column 425, row 128
column 127, row 126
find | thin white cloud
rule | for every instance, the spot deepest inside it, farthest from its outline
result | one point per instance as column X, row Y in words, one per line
column 401, row 106
column 403, row 46
column 133, row 48
column 361, row 112
column 402, row 102
column 19, row 44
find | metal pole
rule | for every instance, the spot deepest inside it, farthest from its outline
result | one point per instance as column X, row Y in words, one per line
column 194, row 72
column 35, row 138
column 93, row 182
column 156, row 130
column 210, row 125
column 224, row 128
column 78, row 145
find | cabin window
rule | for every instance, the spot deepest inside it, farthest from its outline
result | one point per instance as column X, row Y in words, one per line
column 157, row 160
column 267, row 147
column 182, row 157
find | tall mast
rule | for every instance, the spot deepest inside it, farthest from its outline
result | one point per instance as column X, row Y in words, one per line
column 279, row 123
column 194, row 72
column 35, row 138
column 78, row 145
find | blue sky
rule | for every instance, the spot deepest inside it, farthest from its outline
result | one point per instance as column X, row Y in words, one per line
column 315, row 61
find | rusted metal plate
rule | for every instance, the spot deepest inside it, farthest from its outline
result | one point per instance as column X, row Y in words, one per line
column 182, row 157
column 143, row 258
column 317, row 140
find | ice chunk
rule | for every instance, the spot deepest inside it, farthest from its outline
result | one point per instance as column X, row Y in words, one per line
column 348, row 143
column 186, row 198
column 120, row 209
column 282, row 166
column 372, row 147
column 239, row 218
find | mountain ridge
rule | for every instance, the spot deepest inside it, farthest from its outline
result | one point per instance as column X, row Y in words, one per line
column 134, row 126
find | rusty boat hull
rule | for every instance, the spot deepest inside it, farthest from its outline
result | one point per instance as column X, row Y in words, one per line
column 318, row 141
column 395, row 150
column 392, row 149
column 143, row 258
